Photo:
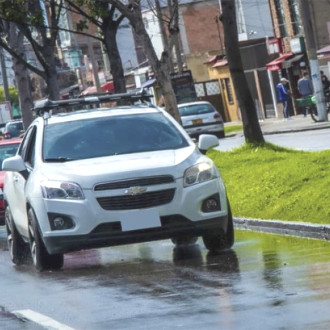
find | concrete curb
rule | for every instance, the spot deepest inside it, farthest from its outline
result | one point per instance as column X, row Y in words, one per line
column 290, row 228
column 297, row 129
column 275, row 128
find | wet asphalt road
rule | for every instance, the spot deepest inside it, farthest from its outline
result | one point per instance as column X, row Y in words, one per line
column 264, row 282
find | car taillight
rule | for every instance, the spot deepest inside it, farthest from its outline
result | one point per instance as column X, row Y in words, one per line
column 7, row 135
column 217, row 115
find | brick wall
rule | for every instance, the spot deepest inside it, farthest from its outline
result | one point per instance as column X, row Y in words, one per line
column 201, row 28
column 320, row 16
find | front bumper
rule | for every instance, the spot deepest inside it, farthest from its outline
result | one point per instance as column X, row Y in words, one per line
column 111, row 234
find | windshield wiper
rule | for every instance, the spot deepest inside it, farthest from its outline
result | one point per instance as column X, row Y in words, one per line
column 59, row 159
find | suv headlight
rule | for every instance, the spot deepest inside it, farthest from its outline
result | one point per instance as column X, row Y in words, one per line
column 199, row 173
column 61, row 190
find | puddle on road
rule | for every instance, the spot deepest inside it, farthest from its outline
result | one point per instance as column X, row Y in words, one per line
column 267, row 280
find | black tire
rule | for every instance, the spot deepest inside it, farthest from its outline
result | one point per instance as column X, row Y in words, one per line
column 216, row 241
column 184, row 240
column 18, row 249
column 42, row 260
column 314, row 115
column 220, row 135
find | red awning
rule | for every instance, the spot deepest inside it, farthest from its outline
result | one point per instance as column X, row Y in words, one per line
column 220, row 63
column 277, row 63
column 324, row 50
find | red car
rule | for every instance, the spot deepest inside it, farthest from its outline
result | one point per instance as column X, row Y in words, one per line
column 8, row 148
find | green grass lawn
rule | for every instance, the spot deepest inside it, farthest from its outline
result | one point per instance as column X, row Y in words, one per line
column 270, row 182
column 233, row 128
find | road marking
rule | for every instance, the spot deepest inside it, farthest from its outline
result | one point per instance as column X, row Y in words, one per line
column 41, row 319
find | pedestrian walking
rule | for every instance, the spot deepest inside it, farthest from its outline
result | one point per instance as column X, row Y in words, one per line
column 284, row 93
column 305, row 88
column 325, row 83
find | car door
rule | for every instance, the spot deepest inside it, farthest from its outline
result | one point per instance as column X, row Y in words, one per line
column 26, row 151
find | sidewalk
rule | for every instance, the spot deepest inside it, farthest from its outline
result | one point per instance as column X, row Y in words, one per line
column 301, row 229
column 279, row 125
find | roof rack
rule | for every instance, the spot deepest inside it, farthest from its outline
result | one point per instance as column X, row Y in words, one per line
column 42, row 106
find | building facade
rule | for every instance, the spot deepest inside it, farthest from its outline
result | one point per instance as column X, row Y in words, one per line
column 291, row 58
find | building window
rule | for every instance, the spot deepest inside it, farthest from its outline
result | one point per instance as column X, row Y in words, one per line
column 229, row 91
column 146, row 23
column 295, row 16
column 280, row 17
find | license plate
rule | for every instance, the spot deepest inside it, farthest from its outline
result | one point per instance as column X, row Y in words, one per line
column 140, row 219
column 197, row 121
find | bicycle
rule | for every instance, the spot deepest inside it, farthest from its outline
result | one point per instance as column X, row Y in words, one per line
column 309, row 102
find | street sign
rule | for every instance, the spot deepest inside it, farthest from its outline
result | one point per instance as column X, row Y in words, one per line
column 5, row 112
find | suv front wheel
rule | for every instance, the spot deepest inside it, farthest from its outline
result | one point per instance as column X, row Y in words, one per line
column 42, row 260
column 214, row 241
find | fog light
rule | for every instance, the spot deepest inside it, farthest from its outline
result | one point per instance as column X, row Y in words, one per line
column 60, row 222
column 211, row 204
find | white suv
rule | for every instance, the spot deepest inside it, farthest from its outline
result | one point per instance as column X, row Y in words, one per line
column 110, row 176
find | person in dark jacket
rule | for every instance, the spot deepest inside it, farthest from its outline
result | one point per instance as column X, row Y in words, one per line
column 305, row 88
column 283, row 92
column 325, row 83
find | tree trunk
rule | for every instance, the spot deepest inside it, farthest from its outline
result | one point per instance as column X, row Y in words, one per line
column 251, row 127
column 160, row 68
column 51, row 73
column 116, row 65
column 21, row 77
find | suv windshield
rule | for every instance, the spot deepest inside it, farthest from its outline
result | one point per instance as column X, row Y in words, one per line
column 195, row 109
column 98, row 137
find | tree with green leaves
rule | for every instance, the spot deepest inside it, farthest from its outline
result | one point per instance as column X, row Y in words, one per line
column 38, row 22
column 251, row 127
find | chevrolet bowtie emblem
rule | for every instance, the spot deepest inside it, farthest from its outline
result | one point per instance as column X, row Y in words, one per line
column 135, row 191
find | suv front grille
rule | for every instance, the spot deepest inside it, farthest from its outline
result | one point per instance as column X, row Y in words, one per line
column 148, row 181
column 149, row 199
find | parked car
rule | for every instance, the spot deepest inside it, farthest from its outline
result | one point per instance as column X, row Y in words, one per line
column 201, row 117
column 110, row 176
column 13, row 128
column 8, row 148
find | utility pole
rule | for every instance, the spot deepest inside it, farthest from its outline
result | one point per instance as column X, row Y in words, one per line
column 175, row 20
column 312, row 56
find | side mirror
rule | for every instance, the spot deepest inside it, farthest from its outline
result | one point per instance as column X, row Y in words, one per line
column 207, row 141
column 14, row 164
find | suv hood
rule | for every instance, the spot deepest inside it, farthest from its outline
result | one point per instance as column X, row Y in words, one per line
column 88, row 172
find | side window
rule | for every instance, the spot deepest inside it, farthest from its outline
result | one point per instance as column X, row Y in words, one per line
column 27, row 148
column 30, row 154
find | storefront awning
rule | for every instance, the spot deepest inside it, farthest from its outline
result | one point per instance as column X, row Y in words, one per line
column 277, row 63
column 288, row 63
column 324, row 53
column 324, row 50
column 220, row 63
column 148, row 83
